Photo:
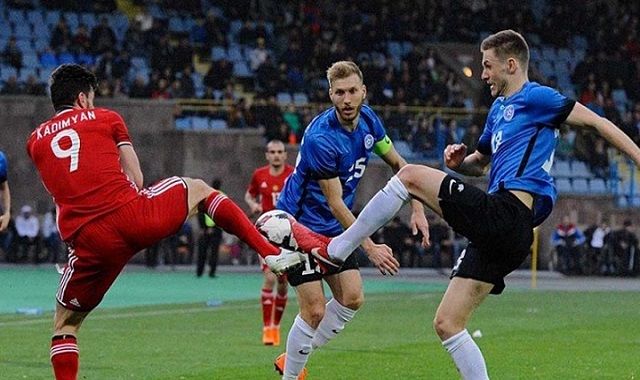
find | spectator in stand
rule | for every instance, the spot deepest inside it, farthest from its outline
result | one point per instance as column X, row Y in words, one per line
column 238, row 115
column 247, row 33
column 161, row 54
column 216, row 31
column 624, row 243
column 139, row 88
column 12, row 55
column 258, row 55
column 162, row 90
column 598, row 238
column 61, row 36
column 50, row 236
column 27, row 229
column 267, row 77
column 144, row 19
column 11, row 87
column 471, row 137
column 32, row 87
column 567, row 239
column 135, row 40
column 599, row 159
column 218, row 75
column 104, row 89
column 121, row 65
column 81, row 41
column 102, row 37
column 182, row 55
column 105, row 66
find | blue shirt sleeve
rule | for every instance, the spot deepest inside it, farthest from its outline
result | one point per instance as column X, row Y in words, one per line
column 321, row 156
column 377, row 127
column 484, row 143
column 554, row 107
column 3, row 167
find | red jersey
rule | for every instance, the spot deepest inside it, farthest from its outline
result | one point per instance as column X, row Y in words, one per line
column 267, row 187
column 76, row 153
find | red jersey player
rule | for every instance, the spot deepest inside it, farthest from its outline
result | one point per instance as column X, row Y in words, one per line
column 261, row 196
column 87, row 163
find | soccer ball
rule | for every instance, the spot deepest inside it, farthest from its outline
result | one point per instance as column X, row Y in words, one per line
column 275, row 225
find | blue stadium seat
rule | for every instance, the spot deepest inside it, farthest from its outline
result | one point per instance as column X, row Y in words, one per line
column 549, row 53
column 86, row 59
column 622, row 201
column 241, row 70
column 300, row 99
column 24, row 46
column 22, row 31
column 598, row 186
column 580, row 185
column 30, row 60
column 72, row 20
column 51, row 17
column 35, row 17
column 25, row 72
column 284, row 98
column 217, row 124
column 563, row 185
column 16, row 16
column 561, row 169
column 218, row 53
column 176, row 24
column 89, row 19
column 183, row 123
column 234, row 27
column 66, row 57
column 43, row 75
column 394, row 48
column 199, row 123
column 580, row 169
column 235, row 53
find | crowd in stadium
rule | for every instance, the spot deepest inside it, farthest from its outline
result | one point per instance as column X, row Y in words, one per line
column 253, row 61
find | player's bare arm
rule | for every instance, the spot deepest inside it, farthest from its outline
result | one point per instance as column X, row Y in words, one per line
column 131, row 164
column 379, row 254
column 581, row 116
column 475, row 164
column 254, row 205
column 418, row 218
column 6, row 205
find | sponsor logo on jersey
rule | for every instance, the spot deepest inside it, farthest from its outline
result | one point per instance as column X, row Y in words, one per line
column 263, row 185
column 368, row 141
column 508, row 112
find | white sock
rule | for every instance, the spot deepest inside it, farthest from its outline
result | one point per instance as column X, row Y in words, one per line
column 378, row 211
column 335, row 317
column 299, row 340
column 467, row 356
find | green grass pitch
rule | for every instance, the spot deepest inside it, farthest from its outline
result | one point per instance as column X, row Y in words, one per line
column 526, row 335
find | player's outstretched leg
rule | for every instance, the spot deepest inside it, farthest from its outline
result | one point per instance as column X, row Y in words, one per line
column 228, row 216
column 315, row 245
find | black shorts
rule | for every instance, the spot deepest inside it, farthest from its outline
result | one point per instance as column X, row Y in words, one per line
column 310, row 271
column 499, row 228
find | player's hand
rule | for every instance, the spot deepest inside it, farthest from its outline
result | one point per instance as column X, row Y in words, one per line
column 381, row 256
column 4, row 221
column 419, row 223
column 454, row 154
column 256, row 209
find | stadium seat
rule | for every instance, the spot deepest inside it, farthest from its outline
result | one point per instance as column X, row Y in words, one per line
column 199, row 123
column 51, row 17
column 241, row 70
column 284, row 98
column 563, row 185
column 580, row 185
column 235, row 53
column 25, row 72
column 35, row 17
column 66, row 57
column 580, row 169
column 183, row 123
column 561, row 169
column 22, row 31
column 622, row 201
column 598, row 186
column 176, row 24
column 300, row 99
column 218, row 53
column 217, row 124
column 72, row 20
column 6, row 72
column 16, row 17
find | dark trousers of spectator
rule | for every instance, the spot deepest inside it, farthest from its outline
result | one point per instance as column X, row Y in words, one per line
column 24, row 245
column 208, row 247
column 53, row 245
column 569, row 260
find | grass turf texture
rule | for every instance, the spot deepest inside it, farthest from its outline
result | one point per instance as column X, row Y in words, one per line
column 526, row 335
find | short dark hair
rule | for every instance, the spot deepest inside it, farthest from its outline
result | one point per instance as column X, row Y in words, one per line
column 67, row 81
column 508, row 43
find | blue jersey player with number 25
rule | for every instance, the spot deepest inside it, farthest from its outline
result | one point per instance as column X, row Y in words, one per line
column 518, row 143
column 319, row 193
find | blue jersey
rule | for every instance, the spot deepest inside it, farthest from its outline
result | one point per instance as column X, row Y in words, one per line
column 3, row 167
column 327, row 151
column 520, row 135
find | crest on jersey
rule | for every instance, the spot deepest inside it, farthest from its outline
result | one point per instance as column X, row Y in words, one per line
column 508, row 112
column 368, row 141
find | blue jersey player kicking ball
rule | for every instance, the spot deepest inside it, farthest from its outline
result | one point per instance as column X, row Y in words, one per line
column 518, row 143
column 320, row 193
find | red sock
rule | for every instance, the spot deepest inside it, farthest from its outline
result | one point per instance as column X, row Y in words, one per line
column 281, row 302
column 232, row 219
column 64, row 357
column 268, row 304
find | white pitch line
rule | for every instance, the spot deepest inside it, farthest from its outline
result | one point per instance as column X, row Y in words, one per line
column 151, row 313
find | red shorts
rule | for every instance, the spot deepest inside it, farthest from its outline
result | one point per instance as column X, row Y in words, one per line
column 102, row 247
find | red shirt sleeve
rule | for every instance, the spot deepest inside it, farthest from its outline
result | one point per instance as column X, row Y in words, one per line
column 253, row 185
column 119, row 129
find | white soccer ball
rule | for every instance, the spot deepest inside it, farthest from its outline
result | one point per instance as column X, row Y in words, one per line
column 275, row 225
